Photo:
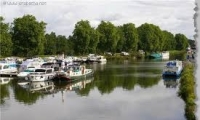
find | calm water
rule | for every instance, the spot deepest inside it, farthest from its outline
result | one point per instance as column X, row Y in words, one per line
column 119, row 90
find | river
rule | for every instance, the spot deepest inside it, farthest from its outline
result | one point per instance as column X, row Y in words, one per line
column 118, row 90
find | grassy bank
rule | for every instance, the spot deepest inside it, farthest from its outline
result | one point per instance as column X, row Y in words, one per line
column 187, row 91
column 175, row 54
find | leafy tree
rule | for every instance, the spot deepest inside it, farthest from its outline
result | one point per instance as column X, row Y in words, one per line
column 5, row 39
column 131, row 37
column 121, row 41
column 50, row 45
column 94, row 40
column 150, row 37
column 70, row 46
column 192, row 43
column 169, row 42
column 181, row 42
column 61, row 44
column 108, row 37
column 28, row 36
column 84, row 37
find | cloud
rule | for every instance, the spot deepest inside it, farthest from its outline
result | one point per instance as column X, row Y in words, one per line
column 61, row 16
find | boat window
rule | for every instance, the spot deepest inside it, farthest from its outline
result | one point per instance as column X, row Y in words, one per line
column 12, row 65
column 6, row 80
column 49, row 71
column 0, row 67
column 28, row 70
column 5, row 67
column 40, row 70
column 31, row 67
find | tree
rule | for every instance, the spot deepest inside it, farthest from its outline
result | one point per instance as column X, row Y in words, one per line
column 169, row 42
column 108, row 37
column 121, row 41
column 5, row 39
column 181, row 42
column 150, row 37
column 28, row 36
column 50, row 45
column 61, row 44
column 94, row 40
column 131, row 37
column 82, row 35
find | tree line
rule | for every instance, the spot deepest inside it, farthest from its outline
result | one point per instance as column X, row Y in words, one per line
column 26, row 36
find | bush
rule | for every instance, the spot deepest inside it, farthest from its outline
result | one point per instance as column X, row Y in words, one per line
column 187, row 91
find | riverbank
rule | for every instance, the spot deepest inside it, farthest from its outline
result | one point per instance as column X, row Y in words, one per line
column 187, row 90
column 174, row 54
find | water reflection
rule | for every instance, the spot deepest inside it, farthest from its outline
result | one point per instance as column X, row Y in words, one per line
column 30, row 92
column 118, row 90
column 4, row 89
column 42, row 86
column 171, row 82
column 81, row 86
column 127, row 74
column 5, row 80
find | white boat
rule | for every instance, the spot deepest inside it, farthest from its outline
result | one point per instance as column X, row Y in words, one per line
column 41, row 74
column 101, row 59
column 22, row 75
column 31, row 63
column 5, row 80
column 73, row 72
column 7, row 69
column 165, row 55
column 173, row 68
column 91, row 58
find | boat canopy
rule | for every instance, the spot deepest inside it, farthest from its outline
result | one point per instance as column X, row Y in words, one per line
column 171, row 63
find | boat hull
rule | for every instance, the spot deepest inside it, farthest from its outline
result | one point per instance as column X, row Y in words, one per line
column 170, row 73
column 65, row 77
column 155, row 55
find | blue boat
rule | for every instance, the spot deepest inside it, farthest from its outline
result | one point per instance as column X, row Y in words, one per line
column 173, row 68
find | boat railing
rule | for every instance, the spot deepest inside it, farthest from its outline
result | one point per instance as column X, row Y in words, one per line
column 37, row 73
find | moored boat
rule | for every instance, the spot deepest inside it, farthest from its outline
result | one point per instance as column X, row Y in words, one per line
column 101, row 59
column 173, row 68
column 22, row 75
column 165, row 55
column 8, row 69
column 73, row 72
column 41, row 74
column 156, row 55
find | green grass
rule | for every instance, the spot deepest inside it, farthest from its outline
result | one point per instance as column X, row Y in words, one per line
column 187, row 90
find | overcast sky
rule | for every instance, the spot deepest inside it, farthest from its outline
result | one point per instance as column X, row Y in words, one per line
column 61, row 16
